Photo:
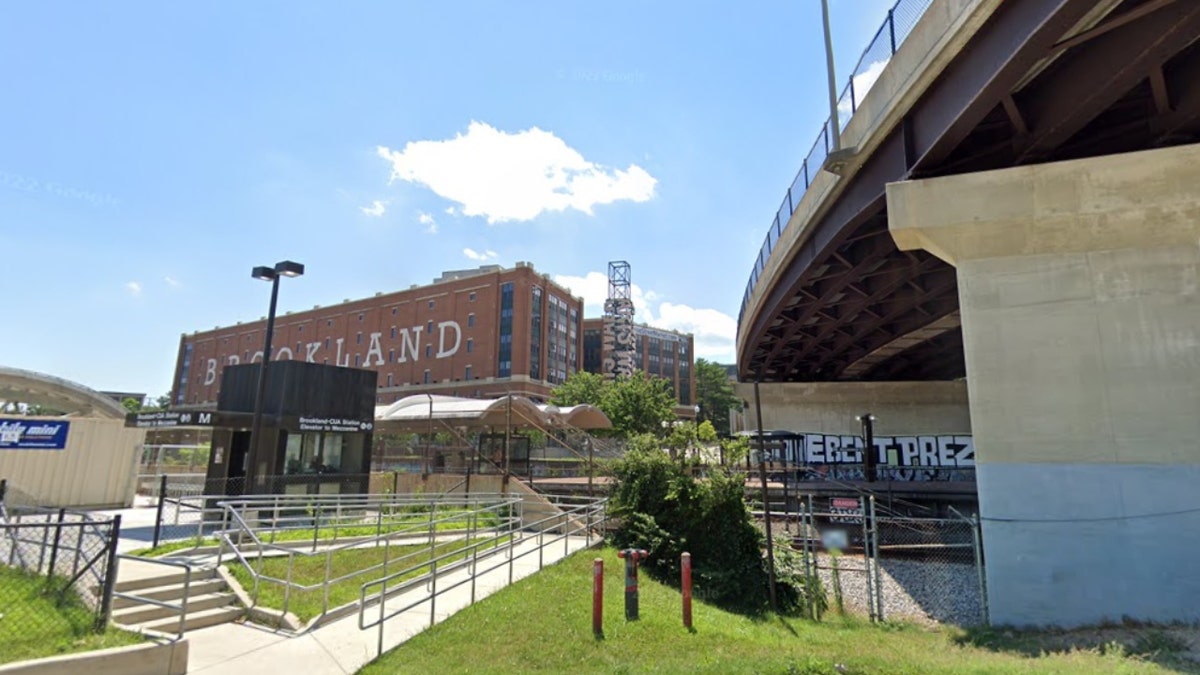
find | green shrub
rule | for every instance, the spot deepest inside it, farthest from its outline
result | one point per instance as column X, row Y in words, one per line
column 666, row 511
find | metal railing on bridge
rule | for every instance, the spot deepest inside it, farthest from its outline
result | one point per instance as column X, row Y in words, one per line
column 891, row 34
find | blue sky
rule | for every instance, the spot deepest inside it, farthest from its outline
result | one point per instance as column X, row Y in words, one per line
column 152, row 153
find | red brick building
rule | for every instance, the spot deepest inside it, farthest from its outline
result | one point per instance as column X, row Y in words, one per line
column 480, row 332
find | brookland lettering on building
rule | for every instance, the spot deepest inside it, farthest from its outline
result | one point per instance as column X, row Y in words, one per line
column 410, row 347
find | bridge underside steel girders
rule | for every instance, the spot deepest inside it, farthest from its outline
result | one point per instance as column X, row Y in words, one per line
column 1040, row 81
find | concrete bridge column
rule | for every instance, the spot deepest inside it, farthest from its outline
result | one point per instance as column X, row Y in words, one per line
column 1079, row 284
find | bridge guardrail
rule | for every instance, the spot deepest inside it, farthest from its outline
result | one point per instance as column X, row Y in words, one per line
column 891, row 34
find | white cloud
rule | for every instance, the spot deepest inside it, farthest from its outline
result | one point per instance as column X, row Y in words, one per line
column 134, row 288
column 450, row 210
column 477, row 256
column 714, row 331
column 428, row 221
column 172, row 281
column 516, row 176
column 376, row 209
column 862, row 84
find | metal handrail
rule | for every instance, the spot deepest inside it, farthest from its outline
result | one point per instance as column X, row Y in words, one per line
column 431, row 524
column 181, row 607
column 595, row 506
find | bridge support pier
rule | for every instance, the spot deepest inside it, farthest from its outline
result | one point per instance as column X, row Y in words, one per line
column 1079, row 286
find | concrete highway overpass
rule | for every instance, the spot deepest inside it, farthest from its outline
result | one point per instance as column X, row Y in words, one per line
column 1017, row 207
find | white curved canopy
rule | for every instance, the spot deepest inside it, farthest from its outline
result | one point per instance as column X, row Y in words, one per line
column 55, row 393
column 414, row 413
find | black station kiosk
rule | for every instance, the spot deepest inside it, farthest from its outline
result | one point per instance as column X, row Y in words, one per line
column 316, row 430
column 317, row 422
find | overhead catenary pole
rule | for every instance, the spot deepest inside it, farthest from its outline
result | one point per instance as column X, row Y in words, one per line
column 835, row 133
column 507, row 434
column 762, row 473
column 429, row 437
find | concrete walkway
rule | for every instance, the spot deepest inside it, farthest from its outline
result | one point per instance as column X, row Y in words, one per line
column 340, row 646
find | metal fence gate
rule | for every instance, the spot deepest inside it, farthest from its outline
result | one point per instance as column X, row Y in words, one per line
column 885, row 566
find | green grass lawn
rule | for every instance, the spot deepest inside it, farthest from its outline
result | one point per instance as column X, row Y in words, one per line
column 543, row 624
column 32, row 624
column 310, row 570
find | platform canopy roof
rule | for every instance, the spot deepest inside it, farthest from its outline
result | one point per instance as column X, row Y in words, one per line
column 55, row 393
column 416, row 413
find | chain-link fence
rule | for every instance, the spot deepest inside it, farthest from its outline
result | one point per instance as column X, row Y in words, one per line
column 57, row 569
column 884, row 566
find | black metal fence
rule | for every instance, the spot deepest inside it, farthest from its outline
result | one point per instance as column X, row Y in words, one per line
column 57, row 570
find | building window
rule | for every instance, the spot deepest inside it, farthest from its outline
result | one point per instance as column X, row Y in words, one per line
column 428, row 350
column 359, row 339
column 393, row 332
column 506, row 329
column 535, row 334
column 357, row 360
column 360, row 318
column 470, row 345
column 394, row 311
column 328, row 323
column 391, row 356
column 429, row 328
column 468, row 373
column 426, row 376
column 431, row 304
column 326, row 343
column 389, row 380
column 471, row 297
column 470, row 321
column 300, row 329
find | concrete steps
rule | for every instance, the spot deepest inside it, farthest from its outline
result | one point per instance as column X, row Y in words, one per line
column 210, row 601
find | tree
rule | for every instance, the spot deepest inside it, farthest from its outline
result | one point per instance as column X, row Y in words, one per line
column 131, row 405
column 715, row 395
column 580, row 388
column 639, row 404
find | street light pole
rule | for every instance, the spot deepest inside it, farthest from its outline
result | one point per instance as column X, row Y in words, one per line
column 286, row 268
column 836, row 132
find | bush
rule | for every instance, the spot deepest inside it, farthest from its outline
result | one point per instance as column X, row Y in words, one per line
column 666, row 511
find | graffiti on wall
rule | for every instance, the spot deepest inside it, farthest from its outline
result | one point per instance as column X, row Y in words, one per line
column 897, row 458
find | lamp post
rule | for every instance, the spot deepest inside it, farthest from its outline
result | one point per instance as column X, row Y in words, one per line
column 697, row 409
column 869, row 458
column 285, row 268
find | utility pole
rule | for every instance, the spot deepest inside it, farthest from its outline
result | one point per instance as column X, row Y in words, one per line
column 835, row 133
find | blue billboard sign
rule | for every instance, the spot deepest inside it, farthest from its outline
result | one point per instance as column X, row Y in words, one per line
column 25, row 434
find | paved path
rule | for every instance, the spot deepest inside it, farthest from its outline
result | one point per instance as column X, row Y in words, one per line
column 340, row 646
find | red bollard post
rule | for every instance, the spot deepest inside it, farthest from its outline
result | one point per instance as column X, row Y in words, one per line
column 687, row 590
column 598, row 596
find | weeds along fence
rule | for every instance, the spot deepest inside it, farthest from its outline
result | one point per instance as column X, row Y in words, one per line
column 65, row 556
column 574, row 517
column 886, row 566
